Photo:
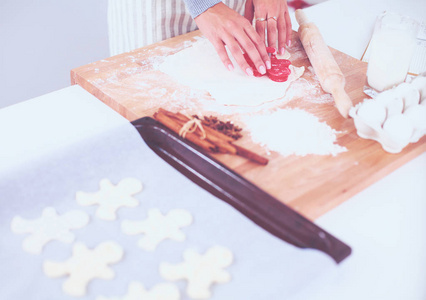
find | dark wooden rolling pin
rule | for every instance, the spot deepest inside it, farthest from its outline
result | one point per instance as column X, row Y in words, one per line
column 326, row 68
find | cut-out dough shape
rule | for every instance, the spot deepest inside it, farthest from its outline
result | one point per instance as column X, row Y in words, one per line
column 201, row 271
column 137, row 291
column 85, row 265
column 158, row 227
column 50, row 226
column 110, row 198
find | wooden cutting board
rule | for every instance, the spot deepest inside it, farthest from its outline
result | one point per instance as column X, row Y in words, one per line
column 130, row 84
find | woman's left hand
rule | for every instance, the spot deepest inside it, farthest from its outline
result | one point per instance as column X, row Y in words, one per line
column 271, row 15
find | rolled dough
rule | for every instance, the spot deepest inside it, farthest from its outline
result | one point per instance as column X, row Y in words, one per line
column 199, row 67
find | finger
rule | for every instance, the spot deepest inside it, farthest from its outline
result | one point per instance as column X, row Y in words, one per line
column 252, row 51
column 260, row 15
column 260, row 28
column 236, row 52
column 221, row 51
column 259, row 44
column 282, row 35
column 272, row 32
column 288, row 28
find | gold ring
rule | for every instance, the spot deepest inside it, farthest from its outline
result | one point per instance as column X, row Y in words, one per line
column 275, row 18
column 260, row 19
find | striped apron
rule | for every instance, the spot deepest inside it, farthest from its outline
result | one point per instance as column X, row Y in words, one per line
column 136, row 23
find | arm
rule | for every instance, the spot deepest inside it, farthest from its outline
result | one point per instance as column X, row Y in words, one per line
column 197, row 7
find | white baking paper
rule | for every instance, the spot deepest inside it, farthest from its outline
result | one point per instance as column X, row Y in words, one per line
column 82, row 141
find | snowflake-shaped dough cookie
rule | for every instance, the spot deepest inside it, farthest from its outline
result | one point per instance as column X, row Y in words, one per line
column 110, row 198
column 137, row 291
column 200, row 270
column 85, row 265
column 158, row 227
column 50, row 226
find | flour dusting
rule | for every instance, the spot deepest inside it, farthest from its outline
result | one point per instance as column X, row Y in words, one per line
column 312, row 91
column 293, row 131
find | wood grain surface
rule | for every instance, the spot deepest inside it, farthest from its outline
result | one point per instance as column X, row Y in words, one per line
column 130, row 84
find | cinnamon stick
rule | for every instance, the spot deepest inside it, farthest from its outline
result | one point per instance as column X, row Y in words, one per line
column 209, row 130
column 217, row 138
column 251, row 155
column 175, row 126
column 181, row 117
column 178, row 116
column 214, row 141
column 218, row 134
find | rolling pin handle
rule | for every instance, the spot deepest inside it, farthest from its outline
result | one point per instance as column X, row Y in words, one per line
column 342, row 100
column 301, row 17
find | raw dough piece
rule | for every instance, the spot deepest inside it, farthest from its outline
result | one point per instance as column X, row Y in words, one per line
column 137, row 291
column 50, row 226
column 85, row 265
column 286, row 55
column 158, row 227
column 200, row 68
column 110, row 198
column 201, row 271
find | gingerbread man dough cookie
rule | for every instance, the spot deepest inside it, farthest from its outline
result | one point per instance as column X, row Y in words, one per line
column 201, row 271
column 85, row 265
column 158, row 227
column 50, row 226
column 137, row 291
column 110, row 198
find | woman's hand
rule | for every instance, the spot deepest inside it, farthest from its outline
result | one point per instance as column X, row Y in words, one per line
column 271, row 15
column 224, row 26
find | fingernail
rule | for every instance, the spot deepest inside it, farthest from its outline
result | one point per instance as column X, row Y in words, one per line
column 289, row 43
column 230, row 67
column 282, row 51
column 249, row 72
column 262, row 70
column 268, row 64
